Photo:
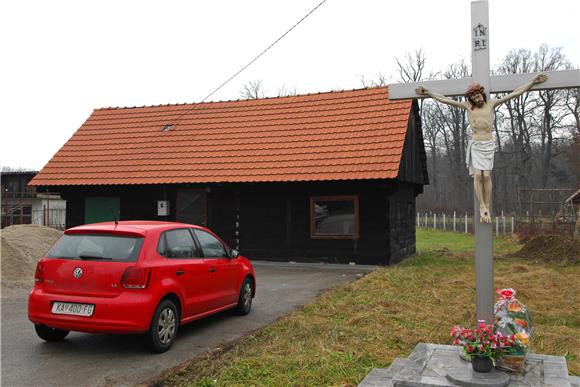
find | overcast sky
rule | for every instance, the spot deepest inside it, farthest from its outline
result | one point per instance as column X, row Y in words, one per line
column 62, row 59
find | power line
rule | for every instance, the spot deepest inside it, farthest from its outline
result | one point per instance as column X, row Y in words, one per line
column 263, row 52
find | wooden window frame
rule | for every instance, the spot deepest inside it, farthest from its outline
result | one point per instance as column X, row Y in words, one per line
column 334, row 198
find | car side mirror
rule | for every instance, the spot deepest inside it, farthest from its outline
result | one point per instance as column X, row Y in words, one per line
column 234, row 253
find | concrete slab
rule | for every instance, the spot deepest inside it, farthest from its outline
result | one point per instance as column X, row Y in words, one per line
column 381, row 377
column 432, row 365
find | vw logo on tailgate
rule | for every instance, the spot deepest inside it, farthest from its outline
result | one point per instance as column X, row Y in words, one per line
column 77, row 272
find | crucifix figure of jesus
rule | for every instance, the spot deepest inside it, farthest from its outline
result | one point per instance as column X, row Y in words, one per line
column 481, row 147
column 481, row 117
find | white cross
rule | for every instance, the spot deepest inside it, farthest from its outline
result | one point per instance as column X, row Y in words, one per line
column 494, row 84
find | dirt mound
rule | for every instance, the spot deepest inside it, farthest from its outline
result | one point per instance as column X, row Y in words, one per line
column 22, row 246
column 554, row 248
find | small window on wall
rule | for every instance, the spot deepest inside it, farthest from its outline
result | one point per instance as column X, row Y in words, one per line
column 334, row 217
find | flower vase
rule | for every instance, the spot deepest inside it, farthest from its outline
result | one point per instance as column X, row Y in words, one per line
column 513, row 363
column 481, row 364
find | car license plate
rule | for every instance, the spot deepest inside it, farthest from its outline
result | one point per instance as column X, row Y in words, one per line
column 73, row 309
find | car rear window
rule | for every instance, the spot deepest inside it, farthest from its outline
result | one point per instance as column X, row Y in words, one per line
column 104, row 247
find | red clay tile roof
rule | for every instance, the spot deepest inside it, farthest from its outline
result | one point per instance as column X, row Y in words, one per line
column 341, row 135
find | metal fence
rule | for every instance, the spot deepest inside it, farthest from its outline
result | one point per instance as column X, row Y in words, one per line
column 502, row 225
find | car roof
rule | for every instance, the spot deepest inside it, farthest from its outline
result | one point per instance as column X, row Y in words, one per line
column 130, row 226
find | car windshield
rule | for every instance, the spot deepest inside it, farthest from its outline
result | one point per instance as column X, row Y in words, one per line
column 104, row 247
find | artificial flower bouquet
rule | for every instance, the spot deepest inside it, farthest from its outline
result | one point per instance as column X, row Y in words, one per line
column 513, row 319
column 506, row 342
column 485, row 342
column 481, row 341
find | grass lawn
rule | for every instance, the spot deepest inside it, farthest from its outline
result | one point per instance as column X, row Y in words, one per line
column 342, row 335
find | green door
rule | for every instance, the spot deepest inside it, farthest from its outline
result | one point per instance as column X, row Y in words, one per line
column 102, row 208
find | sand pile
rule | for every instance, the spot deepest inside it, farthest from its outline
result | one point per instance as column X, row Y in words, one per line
column 553, row 248
column 22, row 246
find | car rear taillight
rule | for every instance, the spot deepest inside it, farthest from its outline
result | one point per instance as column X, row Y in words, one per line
column 39, row 273
column 135, row 277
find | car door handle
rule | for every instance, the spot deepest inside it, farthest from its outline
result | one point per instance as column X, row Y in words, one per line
column 212, row 269
column 180, row 272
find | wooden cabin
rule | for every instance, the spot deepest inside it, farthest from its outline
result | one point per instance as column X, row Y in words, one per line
column 327, row 177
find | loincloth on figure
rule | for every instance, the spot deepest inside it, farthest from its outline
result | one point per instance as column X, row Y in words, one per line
column 479, row 155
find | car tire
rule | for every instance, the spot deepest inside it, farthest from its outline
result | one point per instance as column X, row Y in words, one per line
column 50, row 334
column 164, row 327
column 245, row 299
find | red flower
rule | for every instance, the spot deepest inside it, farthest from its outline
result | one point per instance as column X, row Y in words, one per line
column 506, row 294
column 455, row 331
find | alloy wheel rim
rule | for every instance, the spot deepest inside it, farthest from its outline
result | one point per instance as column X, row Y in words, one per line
column 166, row 328
column 247, row 296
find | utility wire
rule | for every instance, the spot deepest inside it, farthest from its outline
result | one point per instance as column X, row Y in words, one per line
column 196, row 105
column 263, row 52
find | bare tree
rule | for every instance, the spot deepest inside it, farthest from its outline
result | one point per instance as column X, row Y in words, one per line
column 285, row 91
column 412, row 66
column 253, row 90
column 515, row 118
column 573, row 105
column 379, row 80
column 552, row 113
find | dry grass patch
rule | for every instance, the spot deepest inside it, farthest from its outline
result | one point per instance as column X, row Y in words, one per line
column 347, row 331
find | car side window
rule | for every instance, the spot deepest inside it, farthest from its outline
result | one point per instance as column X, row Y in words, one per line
column 177, row 244
column 210, row 245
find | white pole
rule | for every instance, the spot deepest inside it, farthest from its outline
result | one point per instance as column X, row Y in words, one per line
column 454, row 221
column 496, row 225
column 466, row 222
column 425, row 220
column 444, row 229
column 434, row 221
column 513, row 224
column 503, row 221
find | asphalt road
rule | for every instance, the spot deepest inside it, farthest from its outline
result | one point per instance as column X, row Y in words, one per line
column 120, row 360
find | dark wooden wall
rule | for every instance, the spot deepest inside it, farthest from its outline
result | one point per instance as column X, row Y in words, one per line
column 402, row 222
column 275, row 223
column 413, row 166
column 273, row 219
column 136, row 202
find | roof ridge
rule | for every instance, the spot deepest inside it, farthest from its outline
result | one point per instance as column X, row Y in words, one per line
column 242, row 100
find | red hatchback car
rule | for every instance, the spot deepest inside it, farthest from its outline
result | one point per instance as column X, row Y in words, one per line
column 137, row 277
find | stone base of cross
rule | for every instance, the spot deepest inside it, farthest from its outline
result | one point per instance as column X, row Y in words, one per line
column 492, row 84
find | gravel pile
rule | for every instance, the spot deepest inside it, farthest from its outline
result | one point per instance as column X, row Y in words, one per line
column 22, row 247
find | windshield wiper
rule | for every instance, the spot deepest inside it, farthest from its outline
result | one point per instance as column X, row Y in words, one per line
column 95, row 257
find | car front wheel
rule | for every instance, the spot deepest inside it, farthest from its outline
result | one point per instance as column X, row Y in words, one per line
column 50, row 334
column 164, row 327
column 245, row 299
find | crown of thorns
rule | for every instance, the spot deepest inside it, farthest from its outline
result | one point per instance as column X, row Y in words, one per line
column 474, row 88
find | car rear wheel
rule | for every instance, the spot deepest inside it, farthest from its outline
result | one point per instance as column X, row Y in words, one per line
column 245, row 299
column 164, row 327
column 50, row 334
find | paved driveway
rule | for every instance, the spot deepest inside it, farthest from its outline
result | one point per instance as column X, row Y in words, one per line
column 96, row 360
